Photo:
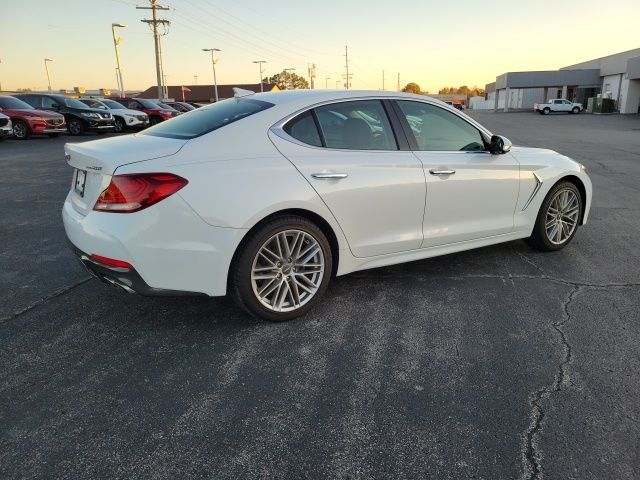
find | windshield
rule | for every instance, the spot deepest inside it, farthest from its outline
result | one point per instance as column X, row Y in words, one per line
column 206, row 119
column 146, row 103
column 71, row 102
column 113, row 105
column 165, row 106
column 12, row 102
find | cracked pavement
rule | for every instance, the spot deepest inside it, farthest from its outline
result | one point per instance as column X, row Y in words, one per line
column 496, row 363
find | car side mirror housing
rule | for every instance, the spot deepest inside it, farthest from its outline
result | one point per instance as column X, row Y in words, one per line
column 499, row 145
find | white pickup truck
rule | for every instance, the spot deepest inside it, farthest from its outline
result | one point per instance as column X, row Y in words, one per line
column 557, row 105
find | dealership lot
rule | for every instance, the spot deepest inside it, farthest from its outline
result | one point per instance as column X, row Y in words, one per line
column 493, row 363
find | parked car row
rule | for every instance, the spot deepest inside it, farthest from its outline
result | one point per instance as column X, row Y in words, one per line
column 26, row 114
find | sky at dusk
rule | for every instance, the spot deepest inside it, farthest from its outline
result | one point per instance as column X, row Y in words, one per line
column 434, row 44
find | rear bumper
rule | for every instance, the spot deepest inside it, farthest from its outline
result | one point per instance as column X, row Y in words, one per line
column 171, row 249
column 128, row 280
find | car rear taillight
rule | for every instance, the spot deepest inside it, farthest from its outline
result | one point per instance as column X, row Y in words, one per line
column 135, row 192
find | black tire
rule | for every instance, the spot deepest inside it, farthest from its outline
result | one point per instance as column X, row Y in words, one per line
column 539, row 239
column 118, row 125
column 240, row 281
column 575, row 110
column 21, row 130
column 155, row 120
column 75, row 126
column 546, row 111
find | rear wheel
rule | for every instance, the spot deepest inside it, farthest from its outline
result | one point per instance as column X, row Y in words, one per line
column 75, row 126
column 282, row 269
column 575, row 110
column 558, row 218
column 20, row 130
column 546, row 111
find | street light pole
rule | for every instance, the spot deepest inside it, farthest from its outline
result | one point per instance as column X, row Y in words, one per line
column 213, row 64
column 289, row 70
column 260, row 62
column 326, row 82
column 116, row 42
column 46, row 67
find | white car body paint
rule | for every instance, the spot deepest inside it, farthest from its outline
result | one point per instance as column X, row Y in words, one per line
column 388, row 210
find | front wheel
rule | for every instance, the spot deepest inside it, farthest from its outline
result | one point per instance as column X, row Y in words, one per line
column 20, row 130
column 575, row 110
column 558, row 218
column 546, row 111
column 282, row 269
column 118, row 125
column 75, row 126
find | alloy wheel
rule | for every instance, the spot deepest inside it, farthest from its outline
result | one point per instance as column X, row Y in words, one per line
column 288, row 270
column 20, row 130
column 562, row 216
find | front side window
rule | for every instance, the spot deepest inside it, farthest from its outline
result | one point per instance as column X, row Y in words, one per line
column 357, row 125
column 206, row 119
column 437, row 129
column 48, row 102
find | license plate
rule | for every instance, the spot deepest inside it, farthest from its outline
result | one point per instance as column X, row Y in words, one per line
column 81, row 177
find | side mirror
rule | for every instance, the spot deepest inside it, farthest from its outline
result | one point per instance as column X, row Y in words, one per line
column 499, row 145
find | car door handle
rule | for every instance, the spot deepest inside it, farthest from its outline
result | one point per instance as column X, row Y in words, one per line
column 328, row 175
column 441, row 172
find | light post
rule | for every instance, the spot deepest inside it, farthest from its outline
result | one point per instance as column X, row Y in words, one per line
column 289, row 70
column 260, row 62
column 116, row 42
column 213, row 64
column 195, row 79
column 337, row 83
column 46, row 67
column 326, row 82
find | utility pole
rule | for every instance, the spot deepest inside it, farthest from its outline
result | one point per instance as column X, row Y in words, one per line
column 260, row 62
column 382, row 79
column 347, row 76
column 213, row 65
column 398, row 81
column 154, row 22
column 116, row 42
column 195, row 79
column 46, row 67
column 326, row 82
column 290, row 75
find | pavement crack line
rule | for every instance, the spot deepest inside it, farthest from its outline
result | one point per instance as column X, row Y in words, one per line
column 532, row 457
column 43, row 300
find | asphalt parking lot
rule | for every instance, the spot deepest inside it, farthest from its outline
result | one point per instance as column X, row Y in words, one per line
column 495, row 363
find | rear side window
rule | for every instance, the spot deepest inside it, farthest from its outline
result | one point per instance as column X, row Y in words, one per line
column 303, row 128
column 356, row 125
column 33, row 100
column 204, row 120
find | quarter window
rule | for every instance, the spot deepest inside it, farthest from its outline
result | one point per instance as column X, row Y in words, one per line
column 357, row 125
column 436, row 129
column 303, row 128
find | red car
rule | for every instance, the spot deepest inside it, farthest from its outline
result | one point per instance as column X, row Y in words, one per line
column 156, row 113
column 29, row 121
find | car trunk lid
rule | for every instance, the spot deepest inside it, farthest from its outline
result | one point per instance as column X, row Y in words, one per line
column 95, row 162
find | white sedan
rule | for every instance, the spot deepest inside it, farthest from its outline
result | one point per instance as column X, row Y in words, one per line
column 266, row 196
